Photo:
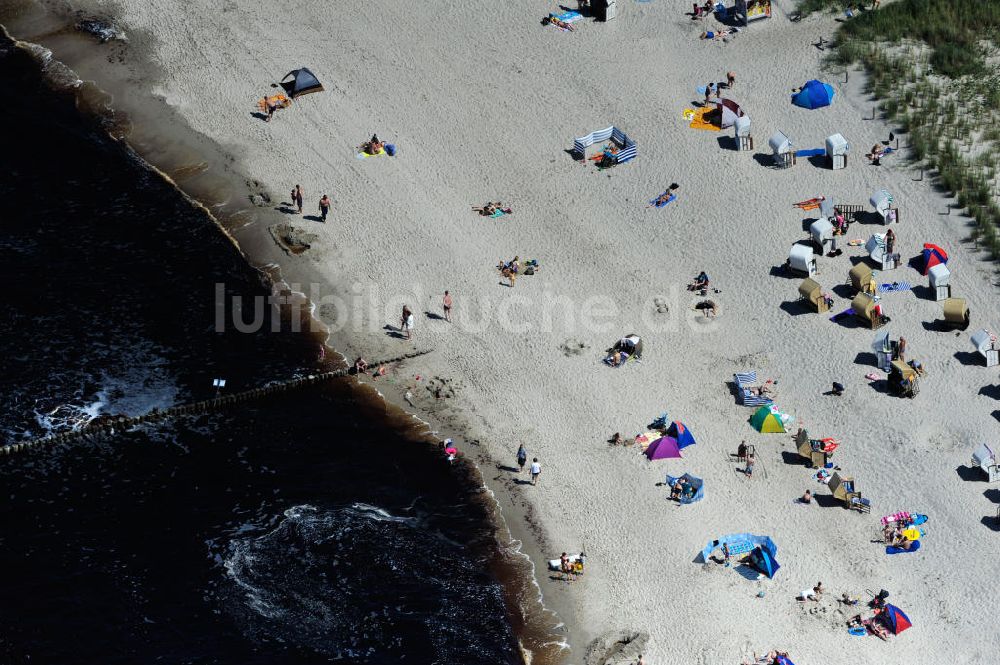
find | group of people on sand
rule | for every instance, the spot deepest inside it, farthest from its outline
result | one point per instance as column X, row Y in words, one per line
column 491, row 208
column 894, row 535
column 510, row 269
column 372, row 146
column 682, row 489
column 570, row 569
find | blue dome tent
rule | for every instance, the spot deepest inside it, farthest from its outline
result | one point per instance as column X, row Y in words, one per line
column 679, row 431
column 762, row 559
column 813, row 95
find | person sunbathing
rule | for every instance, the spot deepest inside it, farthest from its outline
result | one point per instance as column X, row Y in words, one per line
column 675, row 491
column 617, row 359
column 557, row 22
column 810, row 204
column 876, row 628
column 663, row 198
column 807, row 497
column 877, row 153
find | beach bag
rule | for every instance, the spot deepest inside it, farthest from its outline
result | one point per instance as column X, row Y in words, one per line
column 390, row 149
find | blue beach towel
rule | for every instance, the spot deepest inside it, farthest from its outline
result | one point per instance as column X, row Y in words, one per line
column 895, row 286
column 899, row 550
column 701, row 89
column 498, row 213
column 568, row 17
column 811, row 152
column 840, row 314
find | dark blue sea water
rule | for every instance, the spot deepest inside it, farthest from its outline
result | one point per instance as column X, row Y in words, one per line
column 306, row 527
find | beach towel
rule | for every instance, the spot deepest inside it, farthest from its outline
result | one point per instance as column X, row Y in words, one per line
column 660, row 203
column 840, row 314
column 568, row 16
column 702, row 88
column 857, row 631
column 895, row 286
column 899, row 550
column 364, row 155
column 810, row 152
column 901, row 516
column 497, row 213
column 698, row 120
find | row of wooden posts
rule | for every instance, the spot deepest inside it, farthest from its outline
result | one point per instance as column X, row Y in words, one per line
column 108, row 426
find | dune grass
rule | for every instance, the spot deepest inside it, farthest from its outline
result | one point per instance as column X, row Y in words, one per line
column 929, row 64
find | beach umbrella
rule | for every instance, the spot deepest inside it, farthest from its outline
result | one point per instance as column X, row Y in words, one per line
column 766, row 421
column 679, row 431
column 813, row 95
column 933, row 255
column 896, row 619
column 663, row 448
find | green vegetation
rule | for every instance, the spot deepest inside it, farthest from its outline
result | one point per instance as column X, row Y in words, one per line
column 928, row 62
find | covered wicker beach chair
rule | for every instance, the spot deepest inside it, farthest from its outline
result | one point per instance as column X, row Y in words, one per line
column 811, row 291
column 868, row 312
column 843, row 488
column 860, row 277
column 956, row 313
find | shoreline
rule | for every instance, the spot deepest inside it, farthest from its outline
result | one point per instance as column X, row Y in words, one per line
column 623, row 557
column 208, row 177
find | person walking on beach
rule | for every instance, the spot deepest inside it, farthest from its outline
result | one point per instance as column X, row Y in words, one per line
column 726, row 555
column 522, row 458
column 730, row 80
column 749, row 469
column 297, row 197
column 536, row 470
column 446, row 305
column 406, row 322
column 901, row 350
column 324, row 207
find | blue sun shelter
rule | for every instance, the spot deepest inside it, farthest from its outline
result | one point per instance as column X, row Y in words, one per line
column 814, row 95
column 679, row 431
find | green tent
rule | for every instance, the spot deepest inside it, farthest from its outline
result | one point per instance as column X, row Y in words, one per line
column 767, row 421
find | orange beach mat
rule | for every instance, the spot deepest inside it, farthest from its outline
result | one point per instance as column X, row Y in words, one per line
column 278, row 100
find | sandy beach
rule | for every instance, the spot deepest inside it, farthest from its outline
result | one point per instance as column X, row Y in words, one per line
column 483, row 103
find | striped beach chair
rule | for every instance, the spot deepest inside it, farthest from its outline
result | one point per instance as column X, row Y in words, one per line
column 744, row 381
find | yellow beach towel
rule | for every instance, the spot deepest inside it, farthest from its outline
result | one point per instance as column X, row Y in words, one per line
column 698, row 120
